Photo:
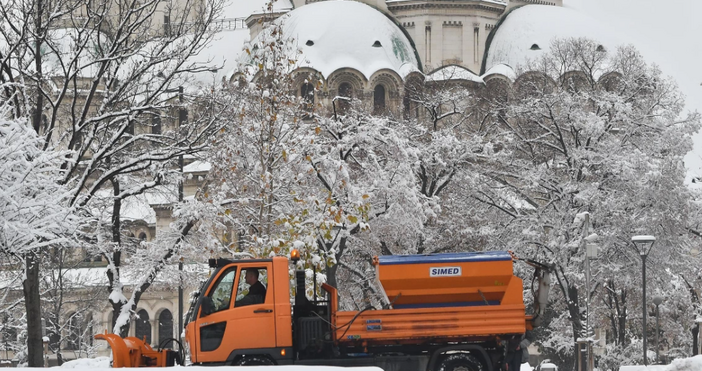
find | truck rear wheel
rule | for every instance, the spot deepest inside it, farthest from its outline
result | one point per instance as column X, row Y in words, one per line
column 460, row 362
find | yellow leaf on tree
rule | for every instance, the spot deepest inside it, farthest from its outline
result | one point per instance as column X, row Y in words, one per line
column 365, row 197
column 352, row 219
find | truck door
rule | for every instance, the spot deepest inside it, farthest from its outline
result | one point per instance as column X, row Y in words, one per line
column 240, row 315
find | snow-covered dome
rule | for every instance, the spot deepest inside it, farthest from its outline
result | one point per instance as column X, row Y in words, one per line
column 348, row 34
column 527, row 32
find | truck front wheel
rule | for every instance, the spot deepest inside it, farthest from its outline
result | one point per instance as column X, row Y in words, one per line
column 460, row 362
column 254, row 361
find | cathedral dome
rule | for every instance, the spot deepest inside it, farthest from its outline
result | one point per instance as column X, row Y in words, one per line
column 527, row 32
column 339, row 34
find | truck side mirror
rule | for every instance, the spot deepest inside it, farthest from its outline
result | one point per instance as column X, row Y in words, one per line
column 207, row 306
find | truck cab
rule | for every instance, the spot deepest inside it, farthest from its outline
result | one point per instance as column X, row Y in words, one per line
column 224, row 320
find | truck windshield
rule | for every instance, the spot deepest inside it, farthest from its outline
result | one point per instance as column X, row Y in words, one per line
column 193, row 302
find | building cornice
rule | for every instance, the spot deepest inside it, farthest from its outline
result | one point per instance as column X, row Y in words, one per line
column 488, row 6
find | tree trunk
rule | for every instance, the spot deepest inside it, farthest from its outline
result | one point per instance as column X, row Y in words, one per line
column 32, row 302
column 123, row 331
column 32, row 298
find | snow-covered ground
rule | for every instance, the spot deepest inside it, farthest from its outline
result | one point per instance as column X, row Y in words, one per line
column 684, row 364
column 96, row 364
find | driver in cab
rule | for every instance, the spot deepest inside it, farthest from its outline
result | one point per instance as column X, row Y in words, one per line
column 257, row 292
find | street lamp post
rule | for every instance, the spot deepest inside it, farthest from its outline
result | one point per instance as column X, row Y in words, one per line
column 657, row 300
column 590, row 253
column 643, row 245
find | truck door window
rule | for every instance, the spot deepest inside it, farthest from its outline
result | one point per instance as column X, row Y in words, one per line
column 253, row 283
column 221, row 294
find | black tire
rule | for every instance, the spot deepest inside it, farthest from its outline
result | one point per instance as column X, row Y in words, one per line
column 461, row 362
column 254, row 361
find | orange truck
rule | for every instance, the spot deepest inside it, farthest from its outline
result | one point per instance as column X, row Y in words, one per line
column 442, row 312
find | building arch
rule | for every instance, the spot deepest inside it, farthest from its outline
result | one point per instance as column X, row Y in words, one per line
column 307, row 83
column 413, row 86
column 389, row 99
column 498, row 88
column 610, row 81
column 575, row 81
column 350, row 76
column 531, row 82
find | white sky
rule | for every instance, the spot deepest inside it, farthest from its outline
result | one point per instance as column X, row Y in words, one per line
column 669, row 34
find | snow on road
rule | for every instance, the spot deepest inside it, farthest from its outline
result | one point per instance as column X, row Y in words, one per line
column 96, row 364
column 103, row 363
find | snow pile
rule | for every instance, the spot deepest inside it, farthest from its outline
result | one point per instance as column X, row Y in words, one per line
column 322, row 31
column 88, row 363
column 686, row 364
column 526, row 34
column 643, row 368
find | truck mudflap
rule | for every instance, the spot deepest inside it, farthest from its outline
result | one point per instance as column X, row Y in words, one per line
column 134, row 352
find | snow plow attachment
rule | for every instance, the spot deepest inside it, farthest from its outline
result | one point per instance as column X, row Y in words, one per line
column 133, row 352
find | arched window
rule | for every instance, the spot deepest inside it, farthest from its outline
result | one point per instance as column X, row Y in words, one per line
column 345, row 90
column 379, row 99
column 143, row 326
column 142, row 236
column 307, row 93
column 165, row 328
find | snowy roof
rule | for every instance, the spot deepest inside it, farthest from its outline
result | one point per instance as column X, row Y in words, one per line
column 539, row 25
column 138, row 208
column 197, row 167
column 342, row 34
column 498, row 2
column 501, row 69
column 454, row 72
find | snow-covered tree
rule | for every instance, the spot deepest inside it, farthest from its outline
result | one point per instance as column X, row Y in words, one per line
column 101, row 79
column 287, row 176
column 33, row 214
column 587, row 130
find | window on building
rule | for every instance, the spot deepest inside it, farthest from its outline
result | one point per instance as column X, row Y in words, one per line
column 345, row 90
column 142, row 236
column 379, row 100
column 8, row 331
column 182, row 116
column 165, row 329
column 307, row 94
column 130, row 128
column 166, row 24
column 142, row 326
column 156, row 124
